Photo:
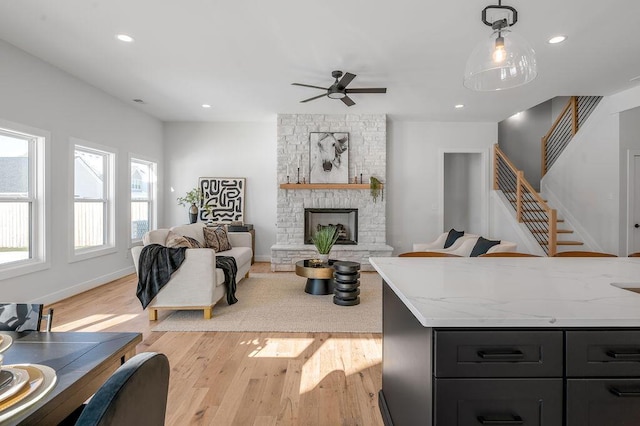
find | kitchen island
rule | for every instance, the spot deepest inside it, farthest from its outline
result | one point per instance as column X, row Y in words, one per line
column 510, row 341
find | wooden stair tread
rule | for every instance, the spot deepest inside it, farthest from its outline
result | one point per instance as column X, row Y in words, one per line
column 564, row 243
column 559, row 231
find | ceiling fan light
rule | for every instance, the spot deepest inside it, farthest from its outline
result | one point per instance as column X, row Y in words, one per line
column 502, row 61
column 336, row 95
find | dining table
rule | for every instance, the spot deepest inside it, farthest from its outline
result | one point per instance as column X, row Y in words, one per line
column 82, row 361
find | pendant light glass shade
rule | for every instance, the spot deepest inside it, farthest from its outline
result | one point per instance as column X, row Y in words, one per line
column 502, row 61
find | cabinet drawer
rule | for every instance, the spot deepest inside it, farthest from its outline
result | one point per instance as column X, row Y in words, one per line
column 498, row 353
column 473, row 402
column 601, row 402
column 603, row 353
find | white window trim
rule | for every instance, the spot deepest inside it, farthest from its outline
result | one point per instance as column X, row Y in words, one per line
column 153, row 195
column 39, row 158
column 110, row 214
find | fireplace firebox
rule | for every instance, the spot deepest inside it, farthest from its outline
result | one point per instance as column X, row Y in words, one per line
column 346, row 220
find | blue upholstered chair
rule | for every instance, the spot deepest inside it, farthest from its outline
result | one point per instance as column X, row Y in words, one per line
column 136, row 394
column 23, row 317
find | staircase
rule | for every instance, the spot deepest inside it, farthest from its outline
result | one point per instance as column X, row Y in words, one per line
column 531, row 209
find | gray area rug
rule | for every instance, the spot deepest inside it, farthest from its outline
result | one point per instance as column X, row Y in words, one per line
column 277, row 302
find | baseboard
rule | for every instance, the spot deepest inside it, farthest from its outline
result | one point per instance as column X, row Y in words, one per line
column 82, row 287
column 263, row 258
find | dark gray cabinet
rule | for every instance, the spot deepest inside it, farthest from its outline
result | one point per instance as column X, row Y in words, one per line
column 506, row 376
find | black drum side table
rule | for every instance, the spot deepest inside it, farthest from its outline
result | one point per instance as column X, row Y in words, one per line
column 346, row 291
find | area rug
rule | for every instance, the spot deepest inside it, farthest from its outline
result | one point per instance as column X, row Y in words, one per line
column 277, row 302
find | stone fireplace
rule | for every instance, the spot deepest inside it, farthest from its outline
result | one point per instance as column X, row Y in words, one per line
column 345, row 221
column 367, row 151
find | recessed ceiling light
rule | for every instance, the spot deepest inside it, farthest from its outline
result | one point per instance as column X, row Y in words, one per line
column 557, row 39
column 459, row 106
column 206, row 106
column 125, row 38
column 517, row 115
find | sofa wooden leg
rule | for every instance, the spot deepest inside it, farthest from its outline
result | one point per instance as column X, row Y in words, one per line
column 208, row 312
column 153, row 315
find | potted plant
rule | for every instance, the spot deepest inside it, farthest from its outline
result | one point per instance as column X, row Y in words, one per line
column 193, row 198
column 324, row 239
column 376, row 188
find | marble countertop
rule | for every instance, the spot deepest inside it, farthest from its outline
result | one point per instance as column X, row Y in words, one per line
column 516, row 292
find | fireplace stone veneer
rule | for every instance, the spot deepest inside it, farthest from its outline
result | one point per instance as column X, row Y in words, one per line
column 367, row 150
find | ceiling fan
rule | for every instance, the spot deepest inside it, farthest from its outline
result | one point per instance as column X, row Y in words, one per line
column 338, row 90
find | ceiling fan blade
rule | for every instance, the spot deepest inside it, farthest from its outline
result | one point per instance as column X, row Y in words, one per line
column 348, row 101
column 370, row 90
column 315, row 97
column 308, row 85
column 346, row 79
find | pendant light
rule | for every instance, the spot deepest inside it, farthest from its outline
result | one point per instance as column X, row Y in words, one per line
column 503, row 60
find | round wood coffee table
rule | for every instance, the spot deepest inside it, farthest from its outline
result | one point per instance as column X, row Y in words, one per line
column 319, row 277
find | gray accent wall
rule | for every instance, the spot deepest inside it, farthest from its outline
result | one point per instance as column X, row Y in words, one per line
column 520, row 138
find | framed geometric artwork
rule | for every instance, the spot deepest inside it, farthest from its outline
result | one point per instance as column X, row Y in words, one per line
column 222, row 199
column 328, row 157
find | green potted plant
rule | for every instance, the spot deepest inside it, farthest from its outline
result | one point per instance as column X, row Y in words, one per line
column 193, row 198
column 324, row 239
column 376, row 188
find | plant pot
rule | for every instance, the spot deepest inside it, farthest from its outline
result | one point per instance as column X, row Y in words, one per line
column 193, row 213
column 324, row 258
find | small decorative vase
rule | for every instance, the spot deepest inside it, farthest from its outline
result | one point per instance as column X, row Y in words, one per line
column 324, row 258
column 193, row 213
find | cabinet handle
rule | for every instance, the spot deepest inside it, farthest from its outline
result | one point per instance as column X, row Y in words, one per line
column 630, row 355
column 625, row 393
column 509, row 419
column 502, row 355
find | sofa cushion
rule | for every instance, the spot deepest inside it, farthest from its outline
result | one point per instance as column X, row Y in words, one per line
column 174, row 240
column 193, row 230
column 193, row 242
column 211, row 239
column 482, row 245
column 223, row 239
column 452, row 237
column 241, row 254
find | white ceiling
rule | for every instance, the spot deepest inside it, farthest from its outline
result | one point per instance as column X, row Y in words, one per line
column 242, row 56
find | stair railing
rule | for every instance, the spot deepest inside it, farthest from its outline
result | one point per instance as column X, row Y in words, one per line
column 531, row 209
column 572, row 117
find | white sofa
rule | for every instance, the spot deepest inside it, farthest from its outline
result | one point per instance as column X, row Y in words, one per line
column 463, row 245
column 197, row 284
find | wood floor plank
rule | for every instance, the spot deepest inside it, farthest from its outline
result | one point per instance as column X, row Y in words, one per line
column 260, row 379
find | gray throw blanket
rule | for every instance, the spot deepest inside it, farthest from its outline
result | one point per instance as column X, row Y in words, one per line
column 155, row 266
column 157, row 263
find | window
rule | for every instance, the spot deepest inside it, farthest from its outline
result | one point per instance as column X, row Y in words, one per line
column 22, row 243
column 143, row 210
column 93, row 200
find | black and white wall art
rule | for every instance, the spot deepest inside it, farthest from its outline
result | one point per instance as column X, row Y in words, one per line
column 329, row 157
column 222, row 199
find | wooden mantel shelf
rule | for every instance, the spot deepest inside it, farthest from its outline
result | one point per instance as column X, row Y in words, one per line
column 324, row 186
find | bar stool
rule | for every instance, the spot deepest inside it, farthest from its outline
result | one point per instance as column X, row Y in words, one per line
column 346, row 290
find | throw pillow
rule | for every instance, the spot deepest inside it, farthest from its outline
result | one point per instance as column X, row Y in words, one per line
column 482, row 246
column 194, row 243
column 452, row 237
column 223, row 239
column 211, row 239
column 174, row 240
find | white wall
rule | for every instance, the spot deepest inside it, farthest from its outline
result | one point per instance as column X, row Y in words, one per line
column 38, row 95
column 463, row 191
column 238, row 149
column 414, row 150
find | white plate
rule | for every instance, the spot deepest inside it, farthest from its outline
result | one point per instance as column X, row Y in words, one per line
column 48, row 377
column 20, row 378
column 5, row 342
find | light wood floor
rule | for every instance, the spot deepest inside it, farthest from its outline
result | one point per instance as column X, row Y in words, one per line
column 222, row 378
